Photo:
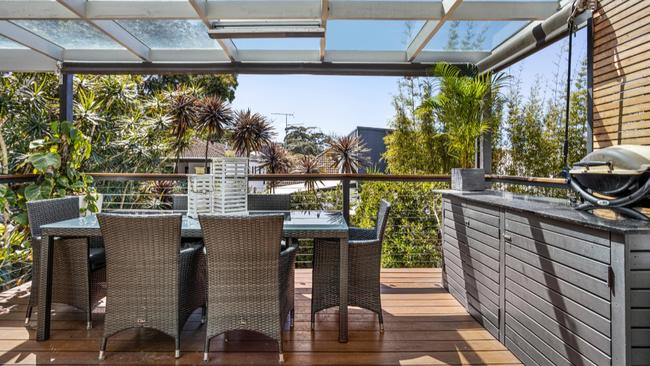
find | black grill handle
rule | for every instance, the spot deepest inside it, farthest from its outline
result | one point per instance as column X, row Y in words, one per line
column 593, row 163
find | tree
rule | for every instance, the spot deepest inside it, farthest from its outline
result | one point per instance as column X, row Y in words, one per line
column 275, row 159
column 309, row 165
column 305, row 140
column 183, row 113
column 222, row 86
column 462, row 107
column 251, row 132
column 348, row 154
column 213, row 117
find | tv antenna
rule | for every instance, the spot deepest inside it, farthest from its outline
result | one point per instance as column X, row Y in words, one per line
column 286, row 119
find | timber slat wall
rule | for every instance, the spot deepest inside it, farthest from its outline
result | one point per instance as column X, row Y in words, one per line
column 621, row 73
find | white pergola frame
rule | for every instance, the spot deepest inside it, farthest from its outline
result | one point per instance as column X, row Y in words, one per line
column 102, row 14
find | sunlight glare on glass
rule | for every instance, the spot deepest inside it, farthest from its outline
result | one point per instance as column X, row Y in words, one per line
column 72, row 34
column 170, row 34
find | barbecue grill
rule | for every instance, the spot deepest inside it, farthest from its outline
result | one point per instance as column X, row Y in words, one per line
column 616, row 178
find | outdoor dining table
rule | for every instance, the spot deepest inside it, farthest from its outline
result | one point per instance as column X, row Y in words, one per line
column 297, row 225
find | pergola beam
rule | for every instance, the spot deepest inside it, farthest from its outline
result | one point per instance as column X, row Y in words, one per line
column 25, row 60
column 280, row 9
column 227, row 45
column 268, row 68
column 324, row 14
column 429, row 29
column 28, row 39
column 110, row 28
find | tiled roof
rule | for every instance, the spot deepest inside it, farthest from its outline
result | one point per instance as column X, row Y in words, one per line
column 197, row 150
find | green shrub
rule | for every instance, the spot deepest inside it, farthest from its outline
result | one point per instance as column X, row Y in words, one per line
column 411, row 238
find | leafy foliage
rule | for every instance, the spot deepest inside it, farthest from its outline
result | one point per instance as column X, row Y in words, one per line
column 56, row 159
column 463, row 107
column 410, row 238
column 305, row 140
column 534, row 131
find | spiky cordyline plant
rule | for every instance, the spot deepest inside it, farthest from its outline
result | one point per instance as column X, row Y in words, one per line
column 182, row 111
column 214, row 117
column 275, row 160
column 309, row 165
column 348, row 154
column 251, row 132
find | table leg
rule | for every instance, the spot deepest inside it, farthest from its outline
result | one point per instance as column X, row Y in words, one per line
column 45, row 289
column 343, row 290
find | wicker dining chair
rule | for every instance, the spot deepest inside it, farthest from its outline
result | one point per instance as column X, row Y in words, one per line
column 179, row 202
column 364, row 269
column 269, row 202
column 250, row 282
column 78, row 265
column 152, row 282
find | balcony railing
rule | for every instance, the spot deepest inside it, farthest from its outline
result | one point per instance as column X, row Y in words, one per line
column 412, row 239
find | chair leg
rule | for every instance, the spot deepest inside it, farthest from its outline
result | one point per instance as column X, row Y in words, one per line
column 203, row 312
column 206, row 349
column 102, row 349
column 292, row 316
column 313, row 319
column 281, row 356
column 381, row 321
column 177, row 352
column 28, row 315
column 89, row 318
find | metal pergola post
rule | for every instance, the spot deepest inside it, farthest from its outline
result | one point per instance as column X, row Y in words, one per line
column 66, row 97
column 590, row 85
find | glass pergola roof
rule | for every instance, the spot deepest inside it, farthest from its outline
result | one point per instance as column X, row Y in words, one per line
column 38, row 35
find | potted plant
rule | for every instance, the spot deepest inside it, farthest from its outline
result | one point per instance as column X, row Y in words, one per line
column 463, row 108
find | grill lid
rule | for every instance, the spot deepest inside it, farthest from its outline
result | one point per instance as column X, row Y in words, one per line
column 620, row 159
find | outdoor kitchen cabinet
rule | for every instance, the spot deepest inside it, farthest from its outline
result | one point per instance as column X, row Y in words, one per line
column 556, row 286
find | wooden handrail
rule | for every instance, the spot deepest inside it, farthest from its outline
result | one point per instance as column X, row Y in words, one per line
column 17, row 178
column 509, row 179
column 529, row 181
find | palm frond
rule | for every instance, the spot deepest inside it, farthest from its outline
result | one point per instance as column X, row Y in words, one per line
column 348, row 154
column 251, row 132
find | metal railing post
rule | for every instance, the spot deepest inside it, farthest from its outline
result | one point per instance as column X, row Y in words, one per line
column 346, row 199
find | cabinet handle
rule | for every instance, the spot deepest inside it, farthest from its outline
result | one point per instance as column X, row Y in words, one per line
column 507, row 237
column 467, row 223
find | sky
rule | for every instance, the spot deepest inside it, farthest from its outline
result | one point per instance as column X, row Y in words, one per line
column 337, row 104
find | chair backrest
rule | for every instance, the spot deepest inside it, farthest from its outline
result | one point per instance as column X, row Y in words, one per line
column 242, row 255
column 142, row 256
column 382, row 219
column 269, row 202
column 179, row 202
column 48, row 211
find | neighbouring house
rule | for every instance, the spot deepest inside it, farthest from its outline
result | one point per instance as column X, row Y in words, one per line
column 194, row 157
column 373, row 138
column 325, row 163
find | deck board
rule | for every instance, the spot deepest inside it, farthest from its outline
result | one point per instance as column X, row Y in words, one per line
column 424, row 325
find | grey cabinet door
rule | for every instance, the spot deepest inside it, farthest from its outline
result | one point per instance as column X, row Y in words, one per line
column 557, row 296
column 471, row 246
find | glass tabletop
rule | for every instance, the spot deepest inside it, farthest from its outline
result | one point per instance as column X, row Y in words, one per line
column 293, row 221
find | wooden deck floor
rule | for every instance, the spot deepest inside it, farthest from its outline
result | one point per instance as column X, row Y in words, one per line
column 424, row 326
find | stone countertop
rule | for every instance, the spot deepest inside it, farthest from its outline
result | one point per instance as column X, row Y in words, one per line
column 552, row 208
